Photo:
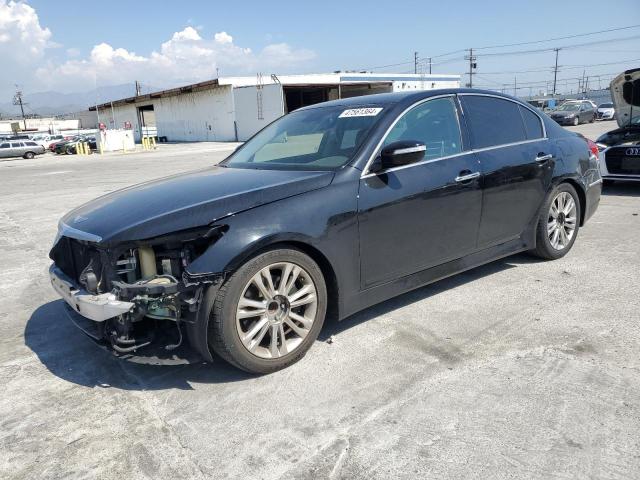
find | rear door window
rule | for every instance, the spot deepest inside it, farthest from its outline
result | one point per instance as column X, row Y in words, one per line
column 4, row 145
column 532, row 123
column 493, row 121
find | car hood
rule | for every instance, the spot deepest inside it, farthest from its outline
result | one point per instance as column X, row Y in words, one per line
column 184, row 201
column 625, row 92
column 620, row 137
column 562, row 114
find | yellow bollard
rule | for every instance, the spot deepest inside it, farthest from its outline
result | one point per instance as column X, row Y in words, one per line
column 87, row 149
column 79, row 148
column 145, row 143
column 101, row 148
column 153, row 142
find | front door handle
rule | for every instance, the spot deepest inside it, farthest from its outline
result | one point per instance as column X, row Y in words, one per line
column 467, row 176
column 543, row 157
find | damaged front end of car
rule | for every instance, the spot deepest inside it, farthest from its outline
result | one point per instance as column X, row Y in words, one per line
column 134, row 294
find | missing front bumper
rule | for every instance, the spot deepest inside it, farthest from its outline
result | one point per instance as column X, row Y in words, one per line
column 94, row 307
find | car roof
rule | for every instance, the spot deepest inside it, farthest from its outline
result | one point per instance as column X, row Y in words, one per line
column 390, row 99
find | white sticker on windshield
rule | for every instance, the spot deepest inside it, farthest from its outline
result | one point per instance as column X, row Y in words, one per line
column 361, row 112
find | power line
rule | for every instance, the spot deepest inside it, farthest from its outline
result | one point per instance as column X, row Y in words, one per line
column 563, row 67
column 539, row 50
column 559, row 38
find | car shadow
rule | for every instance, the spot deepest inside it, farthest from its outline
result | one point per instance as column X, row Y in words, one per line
column 70, row 355
column 333, row 327
column 627, row 189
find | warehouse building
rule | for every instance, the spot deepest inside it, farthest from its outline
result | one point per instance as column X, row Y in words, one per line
column 234, row 108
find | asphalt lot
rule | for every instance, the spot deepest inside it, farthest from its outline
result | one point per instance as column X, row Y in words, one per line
column 518, row 369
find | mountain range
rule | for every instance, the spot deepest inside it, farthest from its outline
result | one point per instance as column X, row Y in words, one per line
column 58, row 103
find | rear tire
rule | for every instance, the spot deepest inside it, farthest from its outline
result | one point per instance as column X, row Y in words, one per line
column 559, row 222
column 29, row 155
column 254, row 306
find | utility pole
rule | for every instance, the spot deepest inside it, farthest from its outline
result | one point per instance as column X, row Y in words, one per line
column 472, row 66
column 17, row 100
column 415, row 62
column 138, row 89
column 429, row 65
column 555, row 72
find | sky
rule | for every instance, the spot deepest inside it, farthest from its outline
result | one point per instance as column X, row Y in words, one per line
column 71, row 46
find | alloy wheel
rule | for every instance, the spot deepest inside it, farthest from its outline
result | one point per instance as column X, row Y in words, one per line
column 561, row 222
column 276, row 310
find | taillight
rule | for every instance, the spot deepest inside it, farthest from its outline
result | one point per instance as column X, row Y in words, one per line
column 593, row 147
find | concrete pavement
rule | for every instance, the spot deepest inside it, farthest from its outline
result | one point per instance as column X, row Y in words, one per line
column 518, row 369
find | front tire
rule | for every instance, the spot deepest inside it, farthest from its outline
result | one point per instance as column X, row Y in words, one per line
column 29, row 155
column 558, row 224
column 576, row 122
column 269, row 312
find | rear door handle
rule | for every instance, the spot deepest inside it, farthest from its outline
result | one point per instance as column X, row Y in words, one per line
column 542, row 157
column 467, row 177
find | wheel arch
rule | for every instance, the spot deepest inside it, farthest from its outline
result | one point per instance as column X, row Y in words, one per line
column 328, row 271
column 582, row 196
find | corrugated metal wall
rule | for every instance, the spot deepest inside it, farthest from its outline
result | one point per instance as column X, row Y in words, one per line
column 189, row 117
column 252, row 112
column 199, row 116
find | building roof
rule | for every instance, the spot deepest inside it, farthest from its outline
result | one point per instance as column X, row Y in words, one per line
column 316, row 79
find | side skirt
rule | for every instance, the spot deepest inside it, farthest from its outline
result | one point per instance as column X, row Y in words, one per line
column 381, row 293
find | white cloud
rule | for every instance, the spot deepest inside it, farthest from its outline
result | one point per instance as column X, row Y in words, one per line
column 22, row 39
column 185, row 57
column 223, row 37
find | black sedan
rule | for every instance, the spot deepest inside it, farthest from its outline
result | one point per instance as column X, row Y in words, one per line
column 326, row 211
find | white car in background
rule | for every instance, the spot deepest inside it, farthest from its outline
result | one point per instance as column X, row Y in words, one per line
column 47, row 140
column 606, row 111
column 620, row 148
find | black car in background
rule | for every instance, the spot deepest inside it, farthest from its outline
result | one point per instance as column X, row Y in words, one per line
column 574, row 112
column 70, row 146
column 620, row 148
column 328, row 210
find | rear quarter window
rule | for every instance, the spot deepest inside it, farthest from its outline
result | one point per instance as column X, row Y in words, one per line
column 493, row 121
column 532, row 123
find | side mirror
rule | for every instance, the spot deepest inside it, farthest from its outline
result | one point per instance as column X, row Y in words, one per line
column 398, row 154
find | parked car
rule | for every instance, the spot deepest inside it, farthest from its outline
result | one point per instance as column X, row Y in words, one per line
column 70, row 146
column 328, row 210
column 53, row 145
column 574, row 113
column 47, row 140
column 606, row 111
column 543, row 104
column 25, row 149
column 620, row 148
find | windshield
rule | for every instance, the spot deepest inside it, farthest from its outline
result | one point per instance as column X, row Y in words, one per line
column 322, row 138
column 605, row 105
column 569, row 107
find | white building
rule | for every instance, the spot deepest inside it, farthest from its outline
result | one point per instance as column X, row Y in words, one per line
column 35, row 125
column 234, row 108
